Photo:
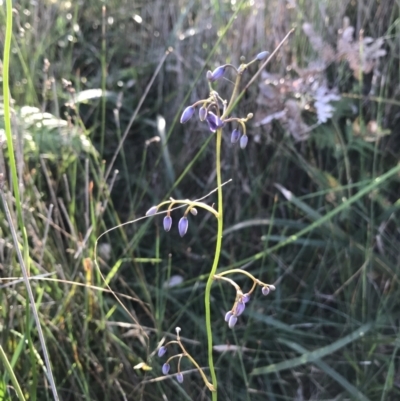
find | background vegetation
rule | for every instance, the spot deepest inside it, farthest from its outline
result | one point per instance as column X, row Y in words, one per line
column 81, row 76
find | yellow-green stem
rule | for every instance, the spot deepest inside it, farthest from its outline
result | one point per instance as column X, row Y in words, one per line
column 214, row 266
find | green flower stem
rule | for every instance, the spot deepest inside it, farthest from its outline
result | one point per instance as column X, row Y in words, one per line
column 9, row 369
column 214, row 266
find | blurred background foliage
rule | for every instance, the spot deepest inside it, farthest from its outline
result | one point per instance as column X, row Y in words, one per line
column 79, row 72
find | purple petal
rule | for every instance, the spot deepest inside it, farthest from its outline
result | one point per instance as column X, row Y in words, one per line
column 183, row 226
column 235, row 135
column 217, row 73
column 246, row 298
column 165, row 368
column 214, row 122
column 167, row 223
column 152, row 211
column 162, row 351
column 232, row 321
column 265, row 291
column 262, row 55
column 187, row 114
column 239, row 309
column 179, row 377
column 243, row 141
column 202, row 113
column 228, row 316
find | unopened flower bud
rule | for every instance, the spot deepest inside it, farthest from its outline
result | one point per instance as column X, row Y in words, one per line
column 243, row 141
column 235, row 135
column 262, row 55
column 209, row 75
column 217, row 73
column 272, row 287
column 240, row 307
column 165, row 368
column 228, row 316
column 232, row 321
column 265, row 291
column 245, row 298
column 202, row 113
column 214, row 122
column 152, row 211
column 162, row 350
column 187, row 114
column 167, row 223
column 179, row 377
column 193, row 210
column 183, row 226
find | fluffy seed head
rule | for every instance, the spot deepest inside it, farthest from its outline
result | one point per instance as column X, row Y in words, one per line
column 235, row 135
column 243, row 141
column 183, row 226
column 167, row 223
column 187, row 114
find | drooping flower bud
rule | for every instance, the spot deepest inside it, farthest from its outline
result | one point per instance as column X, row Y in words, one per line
column 240, row 307
column 193, row 210
column 167, row 223
column 152, row 211
column 243, row 141
column 209, row 75
column 217, row 73
column 232, row 321
column 183, row 226
column 262, row 55
column 265, row 291
column 235, row 135
column 187, row 114
column 179, row 377
column 214, row 122
column 202, row 113
column 165, row 368
column 162, row 350
column 246, row 298
column 228, row 316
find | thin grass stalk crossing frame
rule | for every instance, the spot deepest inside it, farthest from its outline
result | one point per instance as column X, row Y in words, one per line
column 23, row 259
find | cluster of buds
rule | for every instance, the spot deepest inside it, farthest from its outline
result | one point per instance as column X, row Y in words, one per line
column 242, row 299
column 210, row 108
column 166, row 366
column 183, row 223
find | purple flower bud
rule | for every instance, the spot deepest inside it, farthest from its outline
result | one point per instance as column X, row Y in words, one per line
column 193, row 210
column 183, row 226
column 243, row 141
column 240, row 307
column 228, row 316
column 209, row 75
column 165, row 368
column 152, row 211
column 187, row 114
column 202, row 113
column 217, row 73
column 265, row 291
column 214, row 122
column 179, row 377
column 162, row 351
column 167, row 223
column 232, row 321
column 235, row 135
column 262, row 56
column 246, row 298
